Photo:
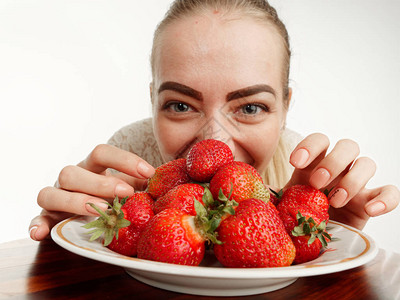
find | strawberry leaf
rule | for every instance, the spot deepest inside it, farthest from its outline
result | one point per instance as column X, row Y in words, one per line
column 123, row 201
column 200, row 209
column 312, row 239
column 95, row 234
column 325, row 234
column 108, row 237
column 98, row 223
column 214, row 223
column 277, row 194
column 108, row 223
column 327, row 192
column 231, row 191
column 322, row 240
column 213, row 238
column 229, row 209
column 308, row 227
column 311, row 221
column 207, row 197
column 123, row 223
column 298, row 231
column 321, row 226
column 221, row 196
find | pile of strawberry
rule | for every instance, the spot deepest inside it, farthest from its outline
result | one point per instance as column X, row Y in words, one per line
column 208, row 200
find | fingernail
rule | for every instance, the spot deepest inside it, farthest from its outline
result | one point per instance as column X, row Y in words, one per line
column 101, row 205
column 375, row 208
column 299, row 158
column 121, row 190
column 338, row 197
column 32, row 232
column 320, row 178
column 145, row 169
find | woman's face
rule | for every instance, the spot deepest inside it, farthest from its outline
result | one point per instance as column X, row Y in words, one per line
column 222, row 80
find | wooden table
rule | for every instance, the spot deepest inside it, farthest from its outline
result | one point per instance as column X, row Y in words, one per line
column 44, row 270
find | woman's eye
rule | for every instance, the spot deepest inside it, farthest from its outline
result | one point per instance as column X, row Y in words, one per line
column 178, row 107
column 252, row 109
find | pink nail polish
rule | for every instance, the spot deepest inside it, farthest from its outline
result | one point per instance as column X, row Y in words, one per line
column 102, row 206
column 375, row 208
column 338, row 197
column 145, row 169
column 320, row 178
column 121, row 190
column 299, row 158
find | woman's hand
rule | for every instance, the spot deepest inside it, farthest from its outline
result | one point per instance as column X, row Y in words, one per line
column 90, row 181
column 345, row 175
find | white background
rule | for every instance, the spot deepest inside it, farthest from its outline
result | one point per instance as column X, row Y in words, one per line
column 74, row 72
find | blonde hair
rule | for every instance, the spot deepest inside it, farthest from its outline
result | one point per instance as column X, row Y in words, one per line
column 277, row 171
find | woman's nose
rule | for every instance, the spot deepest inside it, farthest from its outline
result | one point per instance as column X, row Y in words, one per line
column 219, row 129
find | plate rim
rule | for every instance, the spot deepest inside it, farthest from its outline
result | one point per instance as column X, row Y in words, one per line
column 146, row 266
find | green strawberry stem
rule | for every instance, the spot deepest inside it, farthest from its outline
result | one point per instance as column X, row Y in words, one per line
column 108, row 223
column 308, row 227
column 207, row 198
column 204, row 224
column 210, row 215
column 227, row 206
column 278, row 195
column 220, row 208
column 327, row 192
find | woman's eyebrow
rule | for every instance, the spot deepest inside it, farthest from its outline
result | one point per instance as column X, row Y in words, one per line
column 241, row 93
column 249, row 91
column 180, row 88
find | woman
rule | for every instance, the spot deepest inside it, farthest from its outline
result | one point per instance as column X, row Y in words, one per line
column 220, row 70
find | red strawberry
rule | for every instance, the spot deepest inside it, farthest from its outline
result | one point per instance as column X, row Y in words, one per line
column 127, row 241
column 275, row 197
column 304, row 194
column 308, row 234
column 304, row 211
column 254, row 237
column 173, row 236
column 181, row 197
column 240, row 180
column 123, row 224
column 167, row 176
column 205, row 157
column 138, row 209
column 306, row 251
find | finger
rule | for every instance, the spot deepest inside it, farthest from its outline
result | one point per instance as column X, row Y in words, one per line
column 309, row 149
column 340, row 158
column 77, row 179
column 54, row 199
column 306, row 156
column 107, row 156
column 41, row 225
column 136, row 183
column 353, row 182
column 383, row 200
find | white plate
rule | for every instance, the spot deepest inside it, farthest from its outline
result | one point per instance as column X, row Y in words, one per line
column 350, row 248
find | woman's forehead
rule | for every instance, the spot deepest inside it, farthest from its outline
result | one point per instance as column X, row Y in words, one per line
column 217, row 27
column 208, row 43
